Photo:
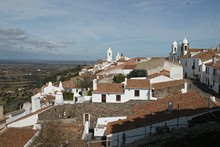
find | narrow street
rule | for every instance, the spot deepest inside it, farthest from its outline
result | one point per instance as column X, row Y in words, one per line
column 201, row 88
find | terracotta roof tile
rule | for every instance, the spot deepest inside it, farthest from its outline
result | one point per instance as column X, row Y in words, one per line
column 195, row 50
column 137, row 84
column 216, row 65
column 162, row 85
column 16, row 137
column 50, row 98
column 190, row 103
column 129, row 66
column 161, row 73
column 122, row 66
column 3, row 119
column 109, row 88
column 205, row 55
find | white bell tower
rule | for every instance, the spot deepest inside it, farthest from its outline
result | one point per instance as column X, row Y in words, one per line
column 109, row 55
column 184, row 46
column 174, row 47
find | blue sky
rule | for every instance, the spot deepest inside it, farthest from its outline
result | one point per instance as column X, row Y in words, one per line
column 85, row 29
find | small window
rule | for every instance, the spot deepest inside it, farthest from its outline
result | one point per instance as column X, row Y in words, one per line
column 103, row 98
column 186, row 63
column 214, row 72
column 152, row 92
column 136, row 93
column 185, row 48
column 118, row 98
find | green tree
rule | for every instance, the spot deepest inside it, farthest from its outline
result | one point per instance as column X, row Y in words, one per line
column 118, row 78
column 137, row 73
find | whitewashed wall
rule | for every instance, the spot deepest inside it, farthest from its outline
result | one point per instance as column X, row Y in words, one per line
column 25, row 122
column 187, row 64
column 13, row 118
column 76, row 90
column 160, row 79
column 110, row 98
column 176, row 72
column 217, row 81
column 183, row 122
column 144, row 94
column 99, row 131
column 35, row 103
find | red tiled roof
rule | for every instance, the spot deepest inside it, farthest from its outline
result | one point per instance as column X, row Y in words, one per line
column 129, row 66
column 205, row 55
column 195, row 50
column 50, row 98
column 162, row 85
column 137, row 84
column 217, row 65
column 3, row 119
column 122, row 66
column 161, row 73
column 190, row 103
column 16, row 137
column 109, row 88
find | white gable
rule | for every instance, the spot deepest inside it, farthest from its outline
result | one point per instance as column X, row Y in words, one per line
column 160, row 79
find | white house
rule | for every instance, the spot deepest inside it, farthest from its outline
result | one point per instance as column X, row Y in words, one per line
column 141, row 88
column 48, row 93
column 193, row 67
column 132, row 89
column 152, row 115
column 102, row 122
column 212, row 75
column 108, row 92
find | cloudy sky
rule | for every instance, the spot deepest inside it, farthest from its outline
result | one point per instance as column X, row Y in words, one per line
column 85, row 29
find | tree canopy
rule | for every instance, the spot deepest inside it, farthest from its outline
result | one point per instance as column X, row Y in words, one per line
column 118, row 78
column 137, row 73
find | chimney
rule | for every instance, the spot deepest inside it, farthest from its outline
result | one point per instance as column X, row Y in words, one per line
column 212, row 98
column 214, row 59
column 95, row 81
column 126, row 79
column 170, row 106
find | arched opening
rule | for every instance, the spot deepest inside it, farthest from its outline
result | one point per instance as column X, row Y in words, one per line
column 185, row 48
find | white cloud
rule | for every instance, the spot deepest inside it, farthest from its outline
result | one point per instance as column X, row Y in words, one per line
column 16, row 40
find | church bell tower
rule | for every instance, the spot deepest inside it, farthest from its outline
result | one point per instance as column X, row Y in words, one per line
column 109, row 55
